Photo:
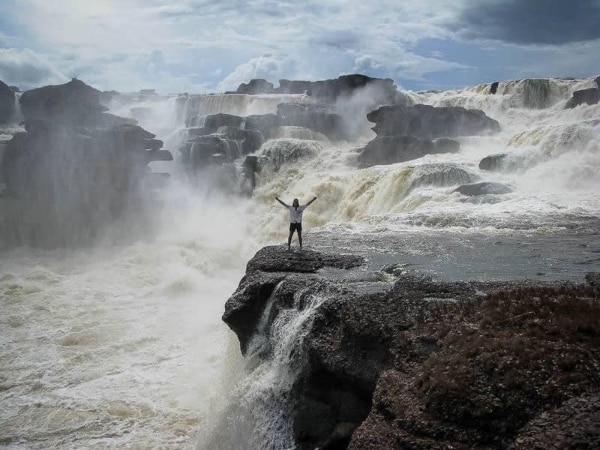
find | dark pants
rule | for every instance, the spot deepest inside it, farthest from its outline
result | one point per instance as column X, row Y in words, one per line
column 295, row 227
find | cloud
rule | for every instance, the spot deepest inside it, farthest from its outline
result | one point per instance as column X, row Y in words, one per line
column 26, row 69
column 266, row 66
column 217, row 44
column 526, row 22
column 365, row 63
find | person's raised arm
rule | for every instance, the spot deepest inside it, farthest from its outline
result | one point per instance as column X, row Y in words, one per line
column 277, row 198
column 311, row 201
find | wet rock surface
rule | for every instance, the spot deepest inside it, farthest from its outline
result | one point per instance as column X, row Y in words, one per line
column 7, row 103
column 431, row 122
column 417, row 363
column 326, row 90
column 76, row 169
column 405, row 132
column 589, row 96
column 483, row 188
column 394, row 149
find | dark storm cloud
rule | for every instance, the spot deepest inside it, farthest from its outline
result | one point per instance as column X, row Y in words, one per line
column 544, row 22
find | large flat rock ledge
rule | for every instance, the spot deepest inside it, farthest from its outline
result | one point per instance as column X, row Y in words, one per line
column 430, row 365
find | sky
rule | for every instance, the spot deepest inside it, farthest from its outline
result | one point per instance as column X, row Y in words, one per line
column 214, row 45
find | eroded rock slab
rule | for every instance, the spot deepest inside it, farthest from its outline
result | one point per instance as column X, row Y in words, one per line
column 426, row 364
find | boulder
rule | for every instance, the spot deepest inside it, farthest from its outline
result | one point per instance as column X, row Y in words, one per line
column 440, row 175
column 430, row 122
column 7, row 103
column 494, row 87
column 214, row 121
column 394, row 149
column 483, row 188
column 493, row 162
column 320, row 118
column 446, row 145
column 589, row 96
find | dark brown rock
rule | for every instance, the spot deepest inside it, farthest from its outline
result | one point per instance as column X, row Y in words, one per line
column 319, row 118
column 73, row 103
column 7, row 103
column 214, row 121
column 428, row 364
column 394, row 149
column 589, row 96
column 483, row 188
column 71, row 181
column 493, row 162
column 263, row 123
column 430, row 122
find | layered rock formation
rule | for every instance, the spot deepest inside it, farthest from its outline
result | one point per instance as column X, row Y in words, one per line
column 409, row 132
column 589, row 96
column 431, row 122
column 7, row 103
column 389, row 360
column 76, row 169
column 326, row 91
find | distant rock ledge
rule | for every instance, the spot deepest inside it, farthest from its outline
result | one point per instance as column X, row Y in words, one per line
column 392, row 360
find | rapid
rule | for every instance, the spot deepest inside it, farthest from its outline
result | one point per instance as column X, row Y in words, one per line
column 122, row 345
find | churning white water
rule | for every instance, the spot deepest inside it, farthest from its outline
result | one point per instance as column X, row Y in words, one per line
column 122, row 346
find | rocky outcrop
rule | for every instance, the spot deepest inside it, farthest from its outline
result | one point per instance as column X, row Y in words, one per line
column 414, row 363
column 76, row 169
column 255, row 86
column 431, row 122
column 494, row 87
column 394, row 149
column 263, row 272
column 7, row 103
column 328, row 91
column 213, row 122
column 320, row 118
column 72, row 104
column 493, row 162
column 483, row 188
column 410, row 132
column 263, row 123
column 589, row 96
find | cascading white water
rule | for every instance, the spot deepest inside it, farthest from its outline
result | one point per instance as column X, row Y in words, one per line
column 123, row 346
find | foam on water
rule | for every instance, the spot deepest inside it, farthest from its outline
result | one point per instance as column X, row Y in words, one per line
column 123, row 346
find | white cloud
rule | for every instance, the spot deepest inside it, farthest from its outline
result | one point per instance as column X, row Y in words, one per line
column 266, row 66
column 365, row 63
column 217, row 44
column 26, row 69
